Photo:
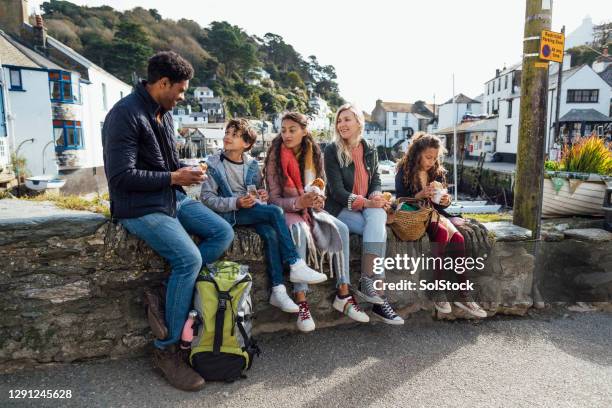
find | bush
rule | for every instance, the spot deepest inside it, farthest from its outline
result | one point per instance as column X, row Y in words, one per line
column 588, row 155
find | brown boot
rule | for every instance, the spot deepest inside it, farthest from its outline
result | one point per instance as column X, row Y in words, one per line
column 155, row 313
column 176, row 370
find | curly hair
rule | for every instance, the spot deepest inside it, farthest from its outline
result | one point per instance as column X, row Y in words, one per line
column 410, row 162
column 170, row 65
column 274, row 151
column 246, row 132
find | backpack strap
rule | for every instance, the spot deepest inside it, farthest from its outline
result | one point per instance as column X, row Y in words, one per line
column 224, row 297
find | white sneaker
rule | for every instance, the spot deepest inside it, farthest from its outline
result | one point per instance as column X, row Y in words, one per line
column 302, row 273
column 443, row 307
column 472, row 308
column 350, row 308
column 281, row 299
column 305, row 322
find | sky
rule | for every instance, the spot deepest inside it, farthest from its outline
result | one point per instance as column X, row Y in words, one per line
column 400, row 51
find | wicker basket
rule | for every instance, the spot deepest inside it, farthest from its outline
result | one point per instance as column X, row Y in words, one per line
column 411, row 225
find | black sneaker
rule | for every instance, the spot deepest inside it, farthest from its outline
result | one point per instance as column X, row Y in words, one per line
column 386, row 313
column 367, row 292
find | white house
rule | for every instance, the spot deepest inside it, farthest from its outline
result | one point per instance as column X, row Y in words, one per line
column 202, row 92
column 373, row 132
column 401, row 120
column 602, row 62
column 28, row 107
column 319, row 119
column 476, row 136
column 584, row 107
column 583, row 34
column 183, row 116
column 59, row 99
column 255, row 76
column 447, row 116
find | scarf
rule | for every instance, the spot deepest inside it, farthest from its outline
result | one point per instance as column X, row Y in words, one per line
column 322, row 236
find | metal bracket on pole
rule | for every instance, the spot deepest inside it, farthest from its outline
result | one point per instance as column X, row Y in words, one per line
column 537, row 37
column 539, row 17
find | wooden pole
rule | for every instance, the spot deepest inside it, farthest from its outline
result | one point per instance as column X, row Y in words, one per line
column 532, row 120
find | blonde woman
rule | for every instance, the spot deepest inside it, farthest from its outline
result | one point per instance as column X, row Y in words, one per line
column 355, row 198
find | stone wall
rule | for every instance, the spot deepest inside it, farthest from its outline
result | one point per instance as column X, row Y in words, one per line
column 72, row 283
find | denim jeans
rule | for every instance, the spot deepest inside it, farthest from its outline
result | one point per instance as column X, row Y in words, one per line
column 371, row 225
column 343, row 276
column 169, row 237
column 269, row 223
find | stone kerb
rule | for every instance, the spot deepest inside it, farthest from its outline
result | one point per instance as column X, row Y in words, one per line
column 72, row 284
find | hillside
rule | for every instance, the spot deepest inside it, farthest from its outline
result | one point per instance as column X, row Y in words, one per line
column 224, row 56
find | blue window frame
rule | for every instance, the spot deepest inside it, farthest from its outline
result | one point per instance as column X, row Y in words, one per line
column 68, row 134
column 15, row 79
column 60, row 87
column 3, row 131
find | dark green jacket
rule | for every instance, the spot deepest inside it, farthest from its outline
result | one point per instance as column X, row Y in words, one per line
column 340, row 180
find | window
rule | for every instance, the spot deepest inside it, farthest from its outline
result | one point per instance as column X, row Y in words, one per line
column 2, row 117
column 60, row 87
column 468, row 107
column 395, row 114
column 506, row 82
column 394, row 121
column 104, row 99
column 508, row 133
column 68, row 134
column 509, row 108
column 583, row 95
column 489, row 88
column 15, row 78
column 499, row 84
column 487, row 107
column 396, row 133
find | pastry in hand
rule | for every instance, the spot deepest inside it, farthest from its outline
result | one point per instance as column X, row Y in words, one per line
column 387, row 196
column 203, row 166
column 437, row 185
column 318, row 182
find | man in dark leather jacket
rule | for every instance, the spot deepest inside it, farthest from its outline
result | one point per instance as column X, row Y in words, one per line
column 145, row 183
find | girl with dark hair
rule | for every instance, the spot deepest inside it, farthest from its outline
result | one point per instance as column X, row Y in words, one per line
column 421, row 175
column 293, row 167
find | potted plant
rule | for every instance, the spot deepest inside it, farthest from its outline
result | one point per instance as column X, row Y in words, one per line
column 576, row 184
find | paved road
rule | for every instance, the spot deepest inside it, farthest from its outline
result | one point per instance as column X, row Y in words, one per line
column 550, row 359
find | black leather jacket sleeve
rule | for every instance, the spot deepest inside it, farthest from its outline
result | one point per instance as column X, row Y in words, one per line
column 121, row 147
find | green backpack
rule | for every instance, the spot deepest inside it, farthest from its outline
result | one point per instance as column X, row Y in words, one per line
column 223, row 348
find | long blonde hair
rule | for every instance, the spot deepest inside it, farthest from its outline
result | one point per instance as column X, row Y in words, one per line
column 344, row 150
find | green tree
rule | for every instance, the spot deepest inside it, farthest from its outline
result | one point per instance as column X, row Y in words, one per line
column 231, row 46
column 255, row 106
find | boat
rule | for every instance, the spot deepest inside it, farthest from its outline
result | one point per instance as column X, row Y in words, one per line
column 567, row 194
column 41, row 183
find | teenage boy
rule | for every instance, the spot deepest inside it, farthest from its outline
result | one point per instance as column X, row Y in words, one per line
column 146, row 182
column 225, row 191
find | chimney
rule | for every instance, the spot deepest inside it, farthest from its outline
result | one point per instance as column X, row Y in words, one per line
column 496, row 73
column 13, row 15
column 40, row 33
